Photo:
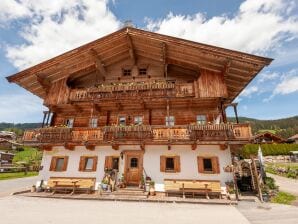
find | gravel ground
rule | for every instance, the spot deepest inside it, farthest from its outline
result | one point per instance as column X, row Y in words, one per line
column 286, row 184
column 19, row 209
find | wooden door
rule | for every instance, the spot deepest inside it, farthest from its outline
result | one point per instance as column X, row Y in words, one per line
column 133, row 167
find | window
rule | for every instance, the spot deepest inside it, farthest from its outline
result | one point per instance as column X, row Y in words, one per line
column 93, row 123
column 112, row 163
column 142, row 71
column 115, row 164
column 59, row 163
column 126, row 72
column 201, row 119
column 69, row 122
column 134, row 162
column 170, row 120
column 122, row 120
column 209, row 165
column 138, row 120
column 88, row 163
column 170, row 164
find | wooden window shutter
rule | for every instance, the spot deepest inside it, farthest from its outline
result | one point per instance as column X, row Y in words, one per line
column 108, row 162
column 82, row 163
column 215, row 165
column 177, row 166
column 53, row 163
column 65, row 163
column 200, row 164
column 95, row 159
column 162, row 164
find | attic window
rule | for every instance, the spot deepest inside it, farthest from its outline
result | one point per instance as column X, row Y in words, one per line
column 142, row 71
column 126, row 72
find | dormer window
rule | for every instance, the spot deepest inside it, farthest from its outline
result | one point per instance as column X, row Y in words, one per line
column 142, row 71
column 126, row 72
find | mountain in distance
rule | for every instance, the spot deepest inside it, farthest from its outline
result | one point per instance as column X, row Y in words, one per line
column 285, row 127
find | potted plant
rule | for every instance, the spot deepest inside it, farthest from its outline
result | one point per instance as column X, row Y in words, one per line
column 142, row 183
column 33, row 189
column 104, row 184
column 152, row 188
column 231, row 191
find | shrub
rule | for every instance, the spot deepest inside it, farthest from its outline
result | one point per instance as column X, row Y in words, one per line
column 268, row 149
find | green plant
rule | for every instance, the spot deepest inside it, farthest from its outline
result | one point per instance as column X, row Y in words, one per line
column 268, row 149
column 270, row 182
column 283, row 198
column 152, row 183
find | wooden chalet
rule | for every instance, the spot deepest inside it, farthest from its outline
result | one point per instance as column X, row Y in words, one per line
column 267, row 137
column 142, row 104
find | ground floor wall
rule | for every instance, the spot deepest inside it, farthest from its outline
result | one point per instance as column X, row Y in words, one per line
column 151, row 162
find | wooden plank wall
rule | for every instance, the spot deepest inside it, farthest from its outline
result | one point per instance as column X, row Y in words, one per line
column 58, row 93
column 211, row 84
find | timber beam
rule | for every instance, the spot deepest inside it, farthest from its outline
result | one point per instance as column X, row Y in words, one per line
column 100, row 66
column 131, row 50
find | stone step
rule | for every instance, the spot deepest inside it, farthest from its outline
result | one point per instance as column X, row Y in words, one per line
column 123, row 197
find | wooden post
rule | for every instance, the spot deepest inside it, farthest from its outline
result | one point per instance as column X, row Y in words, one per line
column 255, row 172
column 108, row 118
column 235, row 110
column 44, row 118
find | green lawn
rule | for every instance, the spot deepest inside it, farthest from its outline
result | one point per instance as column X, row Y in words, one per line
column 283, row 198
column 7, row 176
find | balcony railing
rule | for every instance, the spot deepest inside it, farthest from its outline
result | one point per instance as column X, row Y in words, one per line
column 154, row 133
column 122, row 91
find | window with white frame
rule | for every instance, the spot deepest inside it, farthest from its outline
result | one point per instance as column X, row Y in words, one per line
column 122, row 120
column 93, row 122
column 69, row 122
column 201, row 119
column 138, row 120
column 170, row 120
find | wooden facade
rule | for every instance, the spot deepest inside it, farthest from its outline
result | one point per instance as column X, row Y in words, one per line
column 134, row 74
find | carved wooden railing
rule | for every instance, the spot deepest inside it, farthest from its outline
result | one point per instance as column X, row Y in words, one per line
column 163, row 89
column 155, row 133
column 116, row 133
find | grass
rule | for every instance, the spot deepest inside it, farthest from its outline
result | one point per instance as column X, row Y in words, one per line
column 28, row 155
column 283, row 198
column 7, row 176
column 291, row 169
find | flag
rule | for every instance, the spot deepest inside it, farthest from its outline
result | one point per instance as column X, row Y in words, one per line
column 261, row 160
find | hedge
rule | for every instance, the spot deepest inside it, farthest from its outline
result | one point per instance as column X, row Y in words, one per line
column 268, row 149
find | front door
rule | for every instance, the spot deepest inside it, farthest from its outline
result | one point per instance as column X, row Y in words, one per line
column 133, row 167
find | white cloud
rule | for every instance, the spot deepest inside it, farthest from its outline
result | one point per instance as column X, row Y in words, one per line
column 56, row 26
column 258, row 26
column 289, row 84
column 249, row 91
column 267, row 76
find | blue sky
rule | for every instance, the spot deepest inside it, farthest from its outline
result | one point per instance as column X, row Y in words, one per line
column 35, row 30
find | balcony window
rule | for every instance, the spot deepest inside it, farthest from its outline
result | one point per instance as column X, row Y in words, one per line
column 201, row 119
column 126, row 72
column 69, row 122
column 142, row 71
column 122, row 121
column 93, row 123
column 138, row 120
column 170, row 120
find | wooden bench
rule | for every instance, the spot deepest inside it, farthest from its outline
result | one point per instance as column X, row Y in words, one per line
column 72, row 184
column 206, row 187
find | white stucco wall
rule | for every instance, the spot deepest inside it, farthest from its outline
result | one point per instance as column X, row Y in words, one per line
column 188, row 161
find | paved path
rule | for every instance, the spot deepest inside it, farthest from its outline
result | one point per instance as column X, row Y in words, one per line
column 44, row 210
column 286, row 184
column 268, row 213
column 9, row 186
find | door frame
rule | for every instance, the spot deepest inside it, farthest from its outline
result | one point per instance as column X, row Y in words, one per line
column 137, row 153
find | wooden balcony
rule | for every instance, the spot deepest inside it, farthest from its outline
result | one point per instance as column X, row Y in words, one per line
column 128, row 91
column 146, row 133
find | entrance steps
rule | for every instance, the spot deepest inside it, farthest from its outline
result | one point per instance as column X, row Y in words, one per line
column 124, row 193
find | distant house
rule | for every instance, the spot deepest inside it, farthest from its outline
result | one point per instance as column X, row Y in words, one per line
column 293, row 139
column 267, row 137
column 7, row 139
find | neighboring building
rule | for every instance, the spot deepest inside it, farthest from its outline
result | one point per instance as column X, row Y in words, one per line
column 140, row 103
column 267, row 137
column 7, row 139
column 293, row 139
column 6, row 159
